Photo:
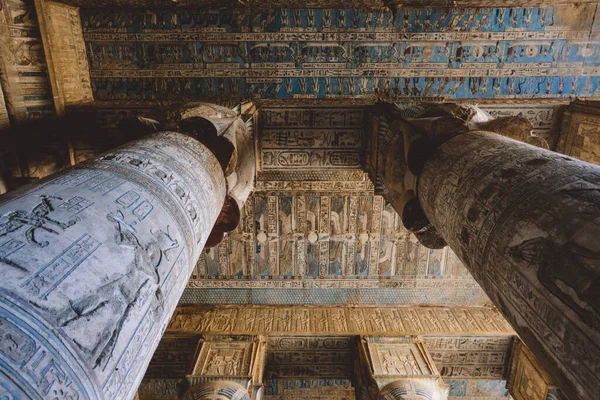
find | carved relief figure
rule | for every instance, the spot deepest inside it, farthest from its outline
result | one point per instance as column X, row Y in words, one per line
column 571, row 271
column 286, row 234
column 391, row 364
column 37, row 218
column 116, row 300
column 216, row 364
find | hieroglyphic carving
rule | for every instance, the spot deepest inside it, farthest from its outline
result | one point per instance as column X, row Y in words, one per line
column 64, row 48
column 259, row 5
column 342, row 53
column 397, row 359
column 161, row 389
column 101, row 253
column 223, row 359
column 542, row 117
column 324, row 239
column 253, row 320
column 499, row 212
column 23, row 78
column 294, row 141
column 173, row 358
column 477, row 389
column 580, row 136
column 309, row 388
column 527, row 378
column 310, row 356
column 397, row 368
column 39, row 361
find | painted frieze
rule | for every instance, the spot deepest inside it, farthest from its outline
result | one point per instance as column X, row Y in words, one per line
column 396, row 321
column 458, row 53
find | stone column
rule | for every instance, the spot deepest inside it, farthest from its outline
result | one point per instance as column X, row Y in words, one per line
column 524, row 220
column 412, row 389
column 219, row 390
column 397, row 368
column 94, row 261
column 526, row 223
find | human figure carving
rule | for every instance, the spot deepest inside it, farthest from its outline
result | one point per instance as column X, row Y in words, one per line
column 38, row 218
column 569, row 270
column 117, row 299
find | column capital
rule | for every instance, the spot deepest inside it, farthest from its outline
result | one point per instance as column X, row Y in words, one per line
column 527, row 378
column 398, row 368
column 229, row 361
column 402, row 140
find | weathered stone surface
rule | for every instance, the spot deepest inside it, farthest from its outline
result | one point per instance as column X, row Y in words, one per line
column 64, row 48
column 525, row 222
column 517, row 128
column 398, row 321
column 580, row 132
column 222, row 390
column 94, row 261
column 527, row 379
column 398, row 368
column 23, row 70
column 413, row 389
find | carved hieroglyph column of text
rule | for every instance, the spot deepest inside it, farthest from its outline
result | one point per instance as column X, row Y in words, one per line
column 526, row 223
column 94, row 261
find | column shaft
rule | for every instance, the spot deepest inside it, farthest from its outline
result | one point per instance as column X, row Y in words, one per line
column 94, row 261
column 526, row 223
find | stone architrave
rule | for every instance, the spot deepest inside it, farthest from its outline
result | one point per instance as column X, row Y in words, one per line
column 94, row 261
column 526, row 223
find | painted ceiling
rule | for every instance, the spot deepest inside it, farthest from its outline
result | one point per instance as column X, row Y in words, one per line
column 314, row 232
column 462, row 53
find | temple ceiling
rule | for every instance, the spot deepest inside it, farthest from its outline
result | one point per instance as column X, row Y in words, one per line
column 253, row 5
column 317, row 231
column 459, row 53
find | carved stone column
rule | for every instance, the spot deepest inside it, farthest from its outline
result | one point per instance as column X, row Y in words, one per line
column 397, row 368
column 219, row 390
column 93, row 263
column 524, row 220
column 526, row 223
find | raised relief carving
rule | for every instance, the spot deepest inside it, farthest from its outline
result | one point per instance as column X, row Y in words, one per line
column 223, row 358
column 309, row 356
column 105, row 246
column 475, row 51
column 38, row 218
column 332, row 320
